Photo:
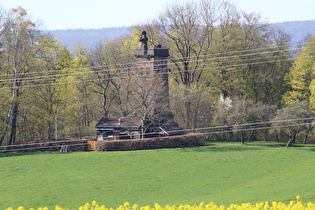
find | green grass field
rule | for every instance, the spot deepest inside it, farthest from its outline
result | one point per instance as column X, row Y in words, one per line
column 223, row 173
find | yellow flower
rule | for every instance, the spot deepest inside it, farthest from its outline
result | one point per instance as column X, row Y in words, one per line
column 87, row 206
column 58, row 208
column 298, row 197
column 94, row 203
column 126, row 204
column 135, row 206
column 21, row 208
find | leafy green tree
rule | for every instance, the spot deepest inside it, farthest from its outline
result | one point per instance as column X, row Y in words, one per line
column 251, row 58
column 79, row 100
column 301, row 76
column 46, row 91
column 22, row 42
column 228, row 39
column 274, row 70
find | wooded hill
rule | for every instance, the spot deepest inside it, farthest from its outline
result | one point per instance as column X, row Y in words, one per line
column 90, row 37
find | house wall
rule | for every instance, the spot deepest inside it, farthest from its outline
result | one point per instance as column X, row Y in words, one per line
column 116, row 136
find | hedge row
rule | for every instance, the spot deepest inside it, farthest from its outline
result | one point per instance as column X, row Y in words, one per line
column 194, row 139
column 47, row 145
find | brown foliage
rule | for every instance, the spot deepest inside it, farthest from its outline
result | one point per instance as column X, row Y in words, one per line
column 194, row 139
column 47, row 145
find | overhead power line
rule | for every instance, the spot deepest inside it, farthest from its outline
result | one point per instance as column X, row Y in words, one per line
column 255, row 52
column 148, row 75
column 205, row 130
column 107, row 69
column 122, row 70
column 259, row 128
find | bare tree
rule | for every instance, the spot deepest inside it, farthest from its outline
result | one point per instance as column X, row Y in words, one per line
column 189, row 27
column 293, row 119
column 242, row 118
column 148, row 103
column 113, row 66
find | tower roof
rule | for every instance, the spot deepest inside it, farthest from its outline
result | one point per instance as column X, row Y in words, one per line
column 152, row 52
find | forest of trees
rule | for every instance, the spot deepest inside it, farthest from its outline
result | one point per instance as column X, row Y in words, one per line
column 231, row 75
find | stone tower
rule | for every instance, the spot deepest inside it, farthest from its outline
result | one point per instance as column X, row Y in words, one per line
column 152, row 70
column 152, row 73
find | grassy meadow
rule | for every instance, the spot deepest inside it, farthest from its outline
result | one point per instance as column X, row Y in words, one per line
column 223, row 173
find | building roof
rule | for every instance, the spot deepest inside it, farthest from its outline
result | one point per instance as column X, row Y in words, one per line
column 121, row 122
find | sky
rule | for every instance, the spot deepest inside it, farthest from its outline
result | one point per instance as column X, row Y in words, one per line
column 95, row 14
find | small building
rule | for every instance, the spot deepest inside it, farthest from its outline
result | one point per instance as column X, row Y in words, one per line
column 118, row 128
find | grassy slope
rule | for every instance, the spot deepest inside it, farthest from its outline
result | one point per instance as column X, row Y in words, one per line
column 220, row 172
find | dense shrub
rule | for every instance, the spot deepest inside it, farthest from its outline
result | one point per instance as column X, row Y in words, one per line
column 47, row 145
column 194, row 139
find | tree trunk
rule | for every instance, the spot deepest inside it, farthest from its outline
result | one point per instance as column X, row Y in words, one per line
column 49, row 132
column 13, row 123
column 188, row 113
column 251, row 135
column 10, row 109
column 242, row 137
column 104, row 105
column 291, row 140
column 305, row 139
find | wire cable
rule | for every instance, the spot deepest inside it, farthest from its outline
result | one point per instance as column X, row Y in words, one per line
column 170, row 59
column 152, row 75
column 228, row 130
